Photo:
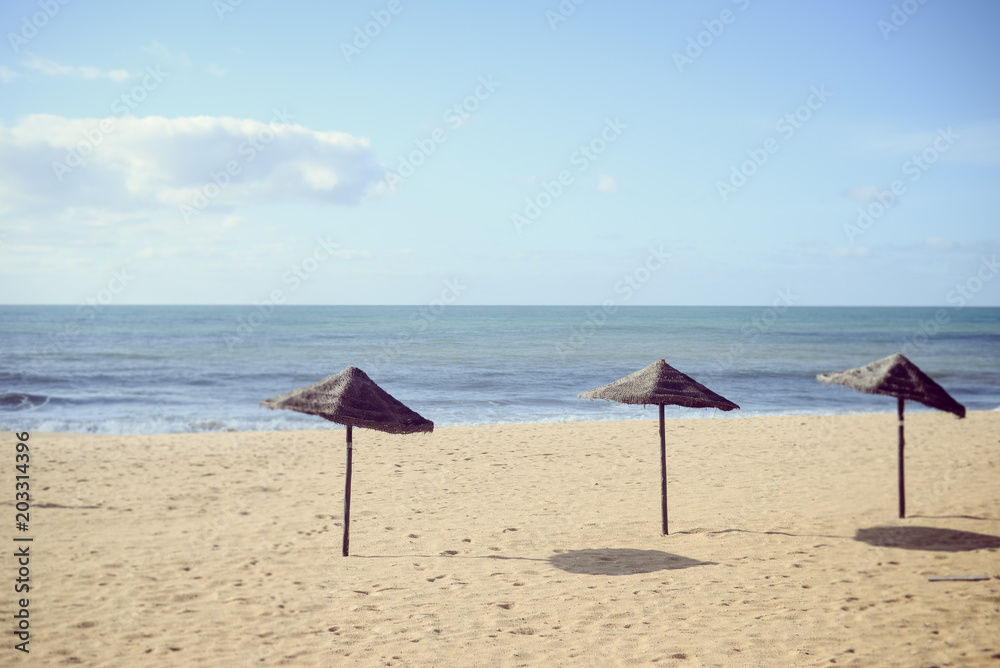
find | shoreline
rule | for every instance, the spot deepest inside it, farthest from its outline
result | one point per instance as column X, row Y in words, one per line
column 720, row 415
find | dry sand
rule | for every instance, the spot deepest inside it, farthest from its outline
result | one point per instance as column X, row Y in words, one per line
column 517, row 545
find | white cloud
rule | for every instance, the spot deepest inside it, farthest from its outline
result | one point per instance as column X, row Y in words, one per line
column 319, row 177
column 154, row 48
column 164, row 54
column 54, row 69
column 842, row 251
column 259, row 255
column 351, row 254
column 862, row 193
column 150, row 251
column 816, row 248
column 141, row 166
column 607, row 184
column 975, row 143
column 215, row 70
column 7, row 75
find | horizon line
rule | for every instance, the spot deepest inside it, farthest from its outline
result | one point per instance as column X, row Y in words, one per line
column 424, row 304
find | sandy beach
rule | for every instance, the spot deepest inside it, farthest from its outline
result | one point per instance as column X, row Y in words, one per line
column 517, row 545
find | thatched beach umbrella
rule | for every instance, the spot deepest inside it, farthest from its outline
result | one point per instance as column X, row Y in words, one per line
column 897, row 377
column 660, row 384
column 352, row 399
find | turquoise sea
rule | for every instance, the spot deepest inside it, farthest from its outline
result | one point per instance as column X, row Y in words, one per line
column 148, row 369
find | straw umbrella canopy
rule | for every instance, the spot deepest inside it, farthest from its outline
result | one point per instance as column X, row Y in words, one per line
column 660, row 384
column 898, row 377
column 352, row 399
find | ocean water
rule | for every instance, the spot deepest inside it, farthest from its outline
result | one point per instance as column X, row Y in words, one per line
column 152, row 369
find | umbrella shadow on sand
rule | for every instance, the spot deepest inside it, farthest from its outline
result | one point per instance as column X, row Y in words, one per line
column 927, row 538
column 611, row 561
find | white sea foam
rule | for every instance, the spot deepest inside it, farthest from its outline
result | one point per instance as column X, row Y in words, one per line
column 168, row 369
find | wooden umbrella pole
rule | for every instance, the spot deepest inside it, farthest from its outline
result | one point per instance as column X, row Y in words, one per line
column 663, row 472
column 347, row 492
column 902, row 442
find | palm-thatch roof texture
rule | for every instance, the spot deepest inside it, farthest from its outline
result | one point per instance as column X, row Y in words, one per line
column 660, row 384
column 896, row 376
column 353, row 399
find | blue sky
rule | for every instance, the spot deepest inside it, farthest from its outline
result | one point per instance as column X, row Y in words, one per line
column 528, row 152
